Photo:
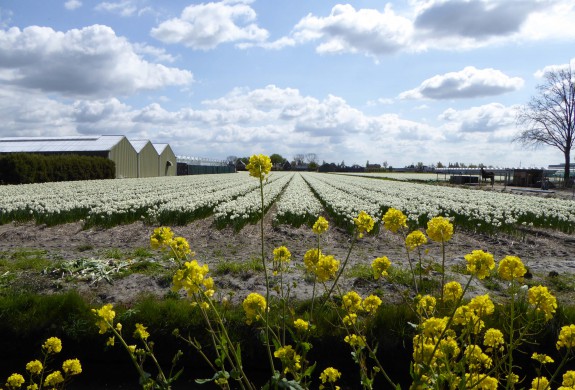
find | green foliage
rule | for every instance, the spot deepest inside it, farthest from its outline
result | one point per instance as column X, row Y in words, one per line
column 23, row 260
column 24, row 168
column 237, row 267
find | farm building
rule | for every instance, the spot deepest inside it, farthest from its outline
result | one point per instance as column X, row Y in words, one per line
column 114, row 147
column 166, row 161
column 147, row 158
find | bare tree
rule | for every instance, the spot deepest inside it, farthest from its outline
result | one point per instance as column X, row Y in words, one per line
column 299, row 158
column 311, row 158
column 549, row 117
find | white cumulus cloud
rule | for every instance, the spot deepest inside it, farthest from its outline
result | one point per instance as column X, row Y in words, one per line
column 207, row 25
column 92, row 61
column 467, row 83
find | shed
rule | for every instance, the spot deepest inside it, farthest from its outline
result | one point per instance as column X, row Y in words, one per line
column 166, row 161
column 147, row 157
column 527, row 177
column 114, row 147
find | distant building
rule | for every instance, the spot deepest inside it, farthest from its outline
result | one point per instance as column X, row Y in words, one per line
column 166, row 161
column 114, row 147
column 147, row 158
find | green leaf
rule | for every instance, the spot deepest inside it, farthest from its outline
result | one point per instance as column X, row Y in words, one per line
column 309, row 370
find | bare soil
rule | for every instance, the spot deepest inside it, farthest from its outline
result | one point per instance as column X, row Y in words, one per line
column 549, row 255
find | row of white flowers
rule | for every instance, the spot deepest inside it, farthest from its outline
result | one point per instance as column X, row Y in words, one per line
column 246, row 208
column 234, row 198
column 469, row 207
column 298, row 205
column 115, row 201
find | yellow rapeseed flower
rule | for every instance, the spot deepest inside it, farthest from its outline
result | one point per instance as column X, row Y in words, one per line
column 433, row 326
column 415, row 239
column 566, row 337
column 379, row 267
column 326, row 268
column 72, row 367
column 568, row 379
column 479, row 263
column 15, row 381
column 542, row 300
column 34, row 367
column 355, row 340
column 511, row 268
column 190, row 277
column 476, row 359
column 105, row 317
column 482, row 305
column 351, row 302
column 330, row 374
column 493, row 339
column 53, row 379
column 180, row 248
column 259, row 166
column 542, row 358
column 301, row 325
column 320, row 226
column 311, row 258
column 480, row 382
column 540, row 383
column 254, row 305
column 364, row 223
column 52, row 345
column 452, row 291
column 282, row 254
column 426, row 305
column 371, row 304
column 290, row 359
column 141, row 332
column 439, row 229
column 349, row 319
column 161, row 237
column 394, row 219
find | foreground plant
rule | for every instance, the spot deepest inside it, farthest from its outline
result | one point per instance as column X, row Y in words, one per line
column 39, row 376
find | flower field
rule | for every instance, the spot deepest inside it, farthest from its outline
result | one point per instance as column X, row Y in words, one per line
column 300, row 198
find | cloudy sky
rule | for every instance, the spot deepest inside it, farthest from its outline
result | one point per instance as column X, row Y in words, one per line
column 398, row 81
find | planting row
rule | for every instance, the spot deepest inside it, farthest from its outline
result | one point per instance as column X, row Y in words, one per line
column 300, row 197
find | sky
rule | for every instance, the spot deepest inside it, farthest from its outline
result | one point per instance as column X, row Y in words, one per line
column 396, row 82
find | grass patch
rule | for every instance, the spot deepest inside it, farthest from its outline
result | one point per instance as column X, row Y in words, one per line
column 231, row 267
column 142, row 252
column 113, row 253
column 360, row 270
column 23, row 260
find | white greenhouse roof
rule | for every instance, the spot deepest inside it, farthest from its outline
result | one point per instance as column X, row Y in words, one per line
column 59, row 144
column 139, row 144
column 160, row 147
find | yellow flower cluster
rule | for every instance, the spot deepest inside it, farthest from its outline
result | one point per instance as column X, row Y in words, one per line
column 161, row 237
column 364, row 223
column 291, row 361
column 480, row 381
column 282, row 254
column 476, row 358
column 566, row 337
column 540, row 383
column 439, row 229
column 310, row 259
column 479, row 263
column 330, row 374
column 352, row 303
column 192, row 278
column 511, row 268
column 53, row 379
column 105, row 316
column 452, row 291
column 415, row 239
column 254, row 305
column 301, row 325
column 542, row 358
column 52, row 345
column 320, row 226
column 140, row 332
column 493, row 339
column 568, row 381
column 426, row 305
column 15, row 381
column 326, row 268
column 379, row 266
column 72, row 367
column 259, row 166
column 394, row 219
column 34, row 367
column 542, row 300
column 355, row 340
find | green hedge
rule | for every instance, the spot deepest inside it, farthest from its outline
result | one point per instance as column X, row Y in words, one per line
column 25, row 168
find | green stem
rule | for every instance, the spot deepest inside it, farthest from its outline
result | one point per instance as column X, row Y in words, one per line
column 267, row 333
column 354, row 239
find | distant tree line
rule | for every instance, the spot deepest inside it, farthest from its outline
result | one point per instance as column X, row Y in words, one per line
column 25, row 168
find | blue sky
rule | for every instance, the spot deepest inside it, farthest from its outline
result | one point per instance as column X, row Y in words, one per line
column 400, row 82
